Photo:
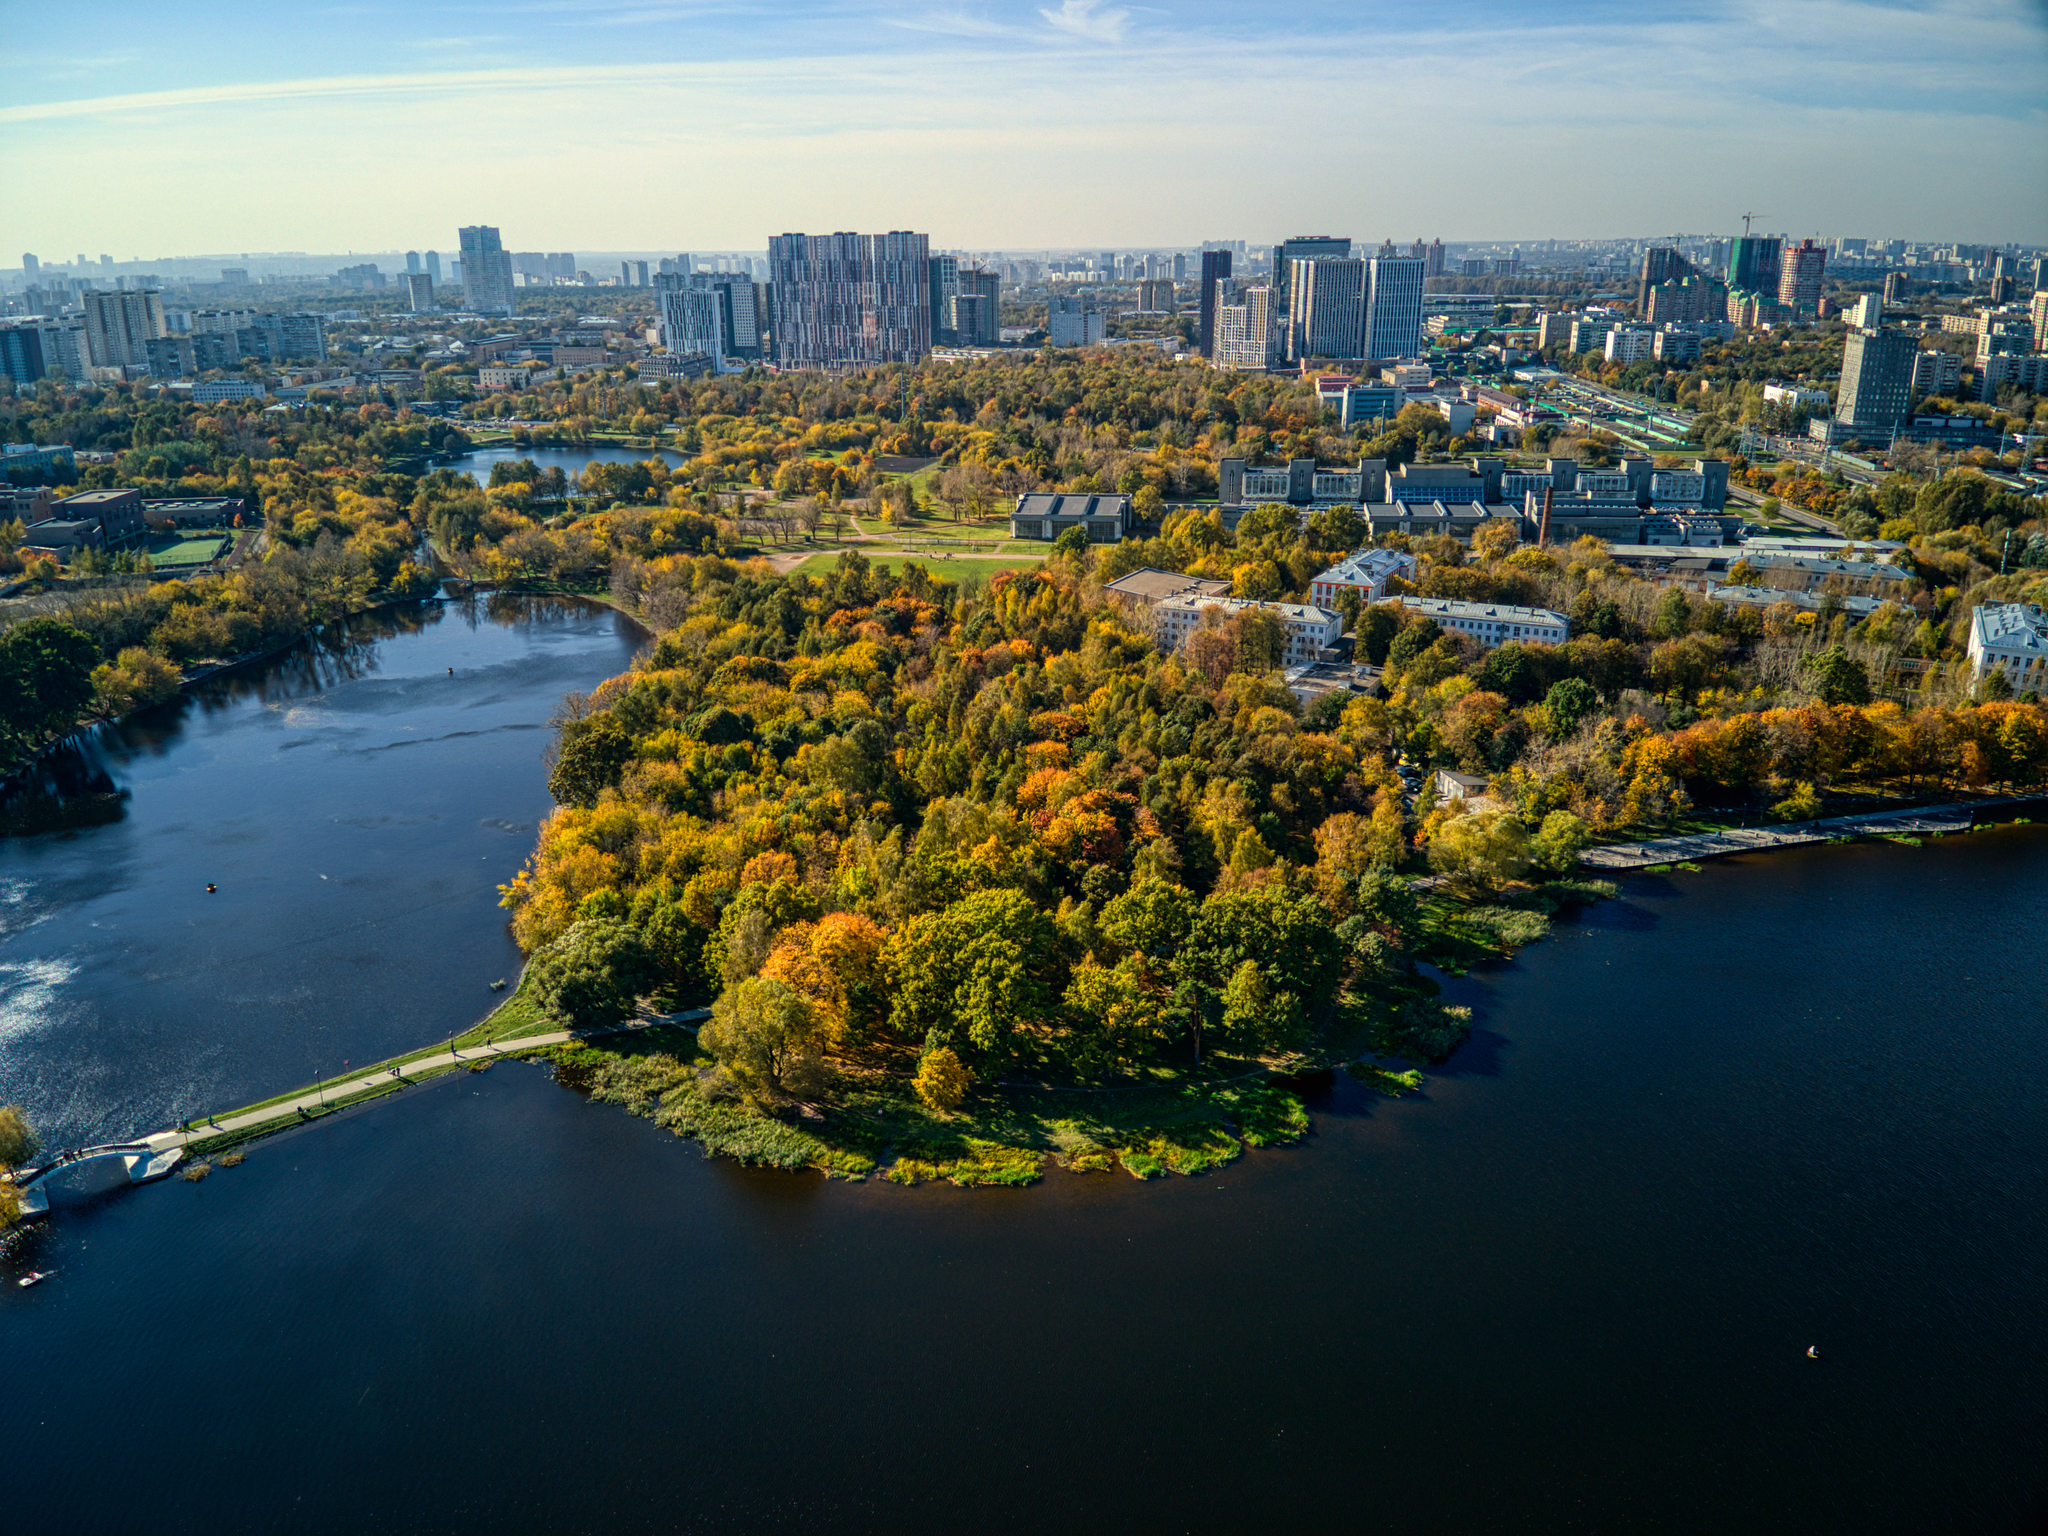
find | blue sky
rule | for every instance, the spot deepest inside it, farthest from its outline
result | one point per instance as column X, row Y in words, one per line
column 706, row 124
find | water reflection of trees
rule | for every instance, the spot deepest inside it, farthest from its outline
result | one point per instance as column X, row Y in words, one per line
column 67, row 789
column 77, row 785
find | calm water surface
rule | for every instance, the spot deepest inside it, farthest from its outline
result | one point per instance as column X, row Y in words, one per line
column 571, row 461
column 356, row 802
column 1784, row 1101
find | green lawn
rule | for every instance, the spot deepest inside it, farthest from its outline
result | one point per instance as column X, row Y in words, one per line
column 941, row 570
column 173, row 552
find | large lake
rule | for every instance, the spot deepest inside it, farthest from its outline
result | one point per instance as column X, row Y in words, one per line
column 1784, row 1101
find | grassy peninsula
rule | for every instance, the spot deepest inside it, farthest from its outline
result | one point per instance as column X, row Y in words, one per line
column 973, row 880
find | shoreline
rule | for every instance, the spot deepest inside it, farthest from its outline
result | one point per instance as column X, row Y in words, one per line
column 1276, row 1114
column 1909, row 821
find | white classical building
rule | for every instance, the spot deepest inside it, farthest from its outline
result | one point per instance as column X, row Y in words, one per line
column 1308, row 629
column 2011, row 638
column 1492, row 624
column 1366, row 572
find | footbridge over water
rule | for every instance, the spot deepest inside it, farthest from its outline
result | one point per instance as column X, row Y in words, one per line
column 153, row 1157
column 144, row 1161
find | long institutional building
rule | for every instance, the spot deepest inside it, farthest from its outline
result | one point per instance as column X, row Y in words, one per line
column 1632, row 503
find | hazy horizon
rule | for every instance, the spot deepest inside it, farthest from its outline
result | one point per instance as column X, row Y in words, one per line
column 709, row 124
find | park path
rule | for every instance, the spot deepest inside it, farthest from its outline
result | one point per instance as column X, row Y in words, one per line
column 1932, row 819
column 317, row 1100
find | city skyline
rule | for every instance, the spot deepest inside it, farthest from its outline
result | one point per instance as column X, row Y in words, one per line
column 723, row 124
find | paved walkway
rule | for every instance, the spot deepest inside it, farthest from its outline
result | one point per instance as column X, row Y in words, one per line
column 1709, row 845
column 316, row 1101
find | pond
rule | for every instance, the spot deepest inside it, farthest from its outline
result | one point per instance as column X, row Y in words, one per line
column 571, row 461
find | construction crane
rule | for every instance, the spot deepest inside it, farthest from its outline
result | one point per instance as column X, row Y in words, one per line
column 1745, row 223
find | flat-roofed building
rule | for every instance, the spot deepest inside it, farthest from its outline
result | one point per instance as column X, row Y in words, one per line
column 1152, row 585
column 118, row 514
column 1877, row 382
column 1856, row 606
column 1491, row 624
column 1047, row 515
column 1357, row 401
column 2011, row 639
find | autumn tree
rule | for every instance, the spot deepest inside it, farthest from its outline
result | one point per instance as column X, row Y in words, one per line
column 1480, row 852
column 592, row 974
column 942, row 1080
column 765, row 1036
column 594, row 752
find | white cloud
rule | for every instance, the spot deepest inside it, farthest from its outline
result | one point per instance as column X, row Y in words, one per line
column 951, row 24
column 1086, row 18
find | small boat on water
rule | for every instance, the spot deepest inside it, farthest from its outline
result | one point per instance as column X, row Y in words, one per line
column 34, row 1277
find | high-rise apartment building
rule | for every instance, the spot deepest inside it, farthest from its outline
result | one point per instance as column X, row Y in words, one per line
column 1393, row 307
column 740, row 315
column 30, row 267
column 433, row 265
column 1303, row 248
column 944, row 276
column 632, row 274
column 303, row 337
column 1683, row 302
column 1753, row 263
column 64, row 353
column 1215, row 273
column 971, row 320
column 1877, row 381
column 1661, row 264
column 1069, row 322
column 1867, row 313
column 412, row 263
column 1247, row 323
column 693, row 322
column 1894, row 287
column 987, row 325
column 117, row 325
column 1326, row 308
column 486, row 271
column 419, row 292
column 1155, row 296
column 1936, row 373
column 845, row 300
column 2037, row 312
column 1800, row 268
column 21, row 352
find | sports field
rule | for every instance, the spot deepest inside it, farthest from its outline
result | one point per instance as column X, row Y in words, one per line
column 173, row 552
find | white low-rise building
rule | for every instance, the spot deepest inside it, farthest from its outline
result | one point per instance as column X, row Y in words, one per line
column 1492, row 624
column 1366, row 572
column 2011, row 638
column 1793, row 396
column 216, row 391
column 1308, row 629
